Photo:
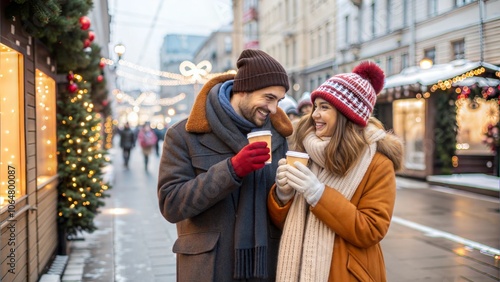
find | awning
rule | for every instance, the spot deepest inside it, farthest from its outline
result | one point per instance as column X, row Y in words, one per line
column 425, row 77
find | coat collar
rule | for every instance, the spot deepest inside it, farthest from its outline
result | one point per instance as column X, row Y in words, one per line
column 198, row 123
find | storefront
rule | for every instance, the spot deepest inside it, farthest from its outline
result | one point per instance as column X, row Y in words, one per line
column 443, row 114
column 28, row 148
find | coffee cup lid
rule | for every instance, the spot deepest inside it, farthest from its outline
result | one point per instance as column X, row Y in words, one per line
column 259, row 133
column 297, row 154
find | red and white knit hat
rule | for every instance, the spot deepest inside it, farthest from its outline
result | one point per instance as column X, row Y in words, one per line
column 353, row 94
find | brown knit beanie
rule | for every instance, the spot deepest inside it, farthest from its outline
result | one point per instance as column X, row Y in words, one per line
column 257, row 70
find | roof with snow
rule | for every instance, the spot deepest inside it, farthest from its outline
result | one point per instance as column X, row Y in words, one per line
column 416, row 75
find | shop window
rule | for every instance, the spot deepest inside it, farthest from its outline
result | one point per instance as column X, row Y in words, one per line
column 46, row 143
column 12, row 148
column 409, row 124
column 473, row 118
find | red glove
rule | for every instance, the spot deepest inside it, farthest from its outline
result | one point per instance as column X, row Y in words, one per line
column 252, row 157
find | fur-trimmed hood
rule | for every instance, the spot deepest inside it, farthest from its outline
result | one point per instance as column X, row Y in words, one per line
column 198, row 123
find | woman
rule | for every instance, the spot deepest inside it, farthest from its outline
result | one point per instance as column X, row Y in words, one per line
column 147, row 139
column 336, row 210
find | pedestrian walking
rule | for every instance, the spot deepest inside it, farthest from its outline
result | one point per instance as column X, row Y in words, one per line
column 213, row 184
column 159, row 130
column 127, row 142
column 336, row 210
column 147, row 140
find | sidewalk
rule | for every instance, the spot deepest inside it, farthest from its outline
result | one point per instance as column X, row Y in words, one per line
column 133, row 241
column 473, row 182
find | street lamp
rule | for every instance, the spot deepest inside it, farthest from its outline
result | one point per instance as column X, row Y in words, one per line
column 426, row 63
column 120, row 50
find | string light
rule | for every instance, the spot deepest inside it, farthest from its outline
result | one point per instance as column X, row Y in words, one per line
column 190, row 73
column 147, row 99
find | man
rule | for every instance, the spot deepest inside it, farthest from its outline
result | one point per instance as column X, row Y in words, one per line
column 213, row 183
column 127, row 142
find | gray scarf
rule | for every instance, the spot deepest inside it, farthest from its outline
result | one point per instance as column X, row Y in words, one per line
column 250, row 233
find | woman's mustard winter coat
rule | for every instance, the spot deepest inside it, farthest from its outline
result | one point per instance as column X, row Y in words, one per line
column 359, row 224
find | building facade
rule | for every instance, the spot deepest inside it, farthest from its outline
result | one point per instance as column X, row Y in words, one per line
column 317, row 39
column 218, row 50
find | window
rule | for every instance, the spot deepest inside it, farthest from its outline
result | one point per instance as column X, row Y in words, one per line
column 459, row 3
column 388, row 15
column 313, row 45
column 390, row 67
column 473, row 118
column 405, row 13
column 46, row 143
column 294, row 52
column 287, row 54
column 228, row 44
column 347, row 30
column 373, row 19
column 12, row 147
column 320, row 42
column 404, row 61
column 361, row 23
column 409, row 123
column 430, row 54
column 432, row 8
column 459, row 49
column 328, row 40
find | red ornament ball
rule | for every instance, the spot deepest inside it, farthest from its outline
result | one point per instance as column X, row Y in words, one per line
column 86, row 43
column 91, row 36
column 84, row 22
column 70, row 76
column 102, row 64
column 100, row 78
column 72, row 87
column 105, row 103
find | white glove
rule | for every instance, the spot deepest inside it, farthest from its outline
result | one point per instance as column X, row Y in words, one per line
column 283, row 190
column 303, row 180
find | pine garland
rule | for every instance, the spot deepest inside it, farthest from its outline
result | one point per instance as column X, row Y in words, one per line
column 445, row 131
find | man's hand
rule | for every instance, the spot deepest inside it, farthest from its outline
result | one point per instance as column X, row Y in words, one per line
column 251, row 157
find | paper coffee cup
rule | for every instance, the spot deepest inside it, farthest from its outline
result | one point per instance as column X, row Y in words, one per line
column 293, row 156
column 262, row 135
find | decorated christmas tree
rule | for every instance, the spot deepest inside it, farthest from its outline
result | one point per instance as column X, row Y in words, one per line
column 81, row 157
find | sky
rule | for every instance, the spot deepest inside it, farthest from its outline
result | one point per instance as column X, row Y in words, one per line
column 141, row 25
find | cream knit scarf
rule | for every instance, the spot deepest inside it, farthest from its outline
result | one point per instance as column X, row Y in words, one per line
column 306, row 246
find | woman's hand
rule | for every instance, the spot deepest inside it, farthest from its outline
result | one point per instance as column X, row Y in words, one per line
column 303, row 180
column 283, row 190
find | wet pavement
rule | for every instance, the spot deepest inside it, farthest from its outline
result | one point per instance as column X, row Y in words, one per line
column 133, row 241
column 437, row 234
